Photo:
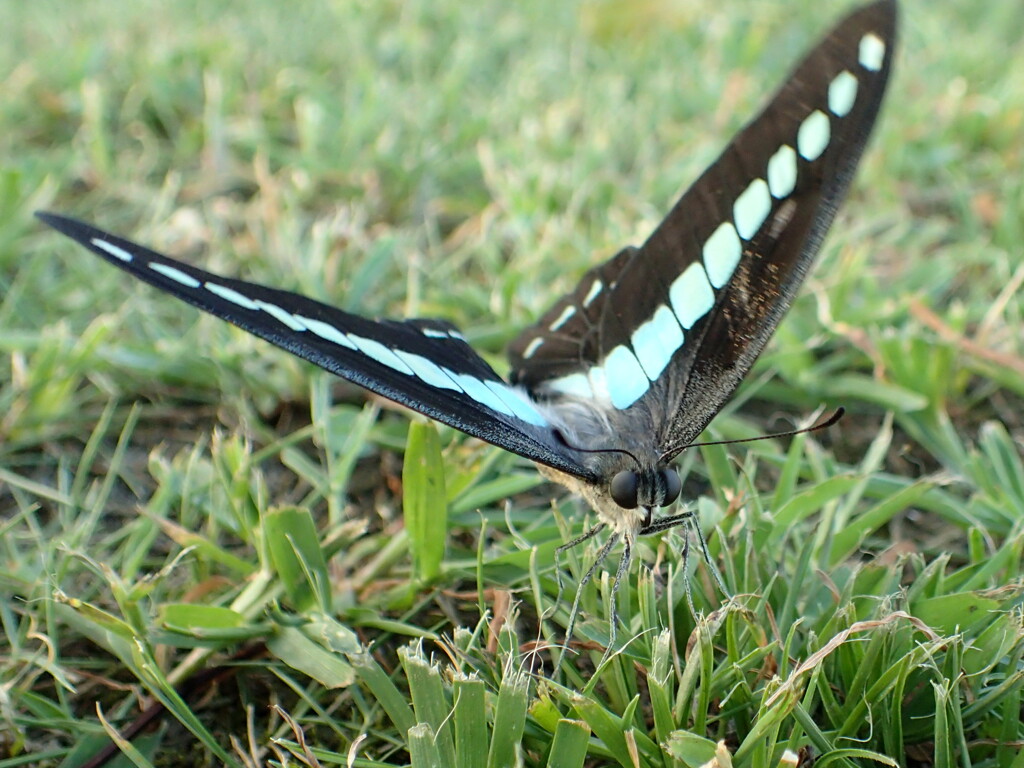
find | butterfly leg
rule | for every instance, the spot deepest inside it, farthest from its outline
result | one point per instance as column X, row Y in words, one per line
column 601, row 555
column 667, row 523
column 569, row 545
column 707, row 558
column 580, row 539
column 689, row 519
column 686, row 574
column 621, row 573
column 657, row 526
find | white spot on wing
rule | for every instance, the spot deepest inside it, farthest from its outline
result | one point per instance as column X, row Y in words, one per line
column 230, row 294
column 655, row 341
column 629, row 382
column 175, row 274
column 842, row 93
column 442, row 333
column 871, row 52
column 377, row 351
column 782, row 172
column 573, row 385
column 427, row 371
column 532, row 347
column 563, row 318
column 752, row 208
column 598, row 379
column 521, row 407
column 115, row 251
column 813, row 135
column 722, row 253
column 595, row 289
column 691, row 295
column 326, row 331
column 479, row 391
column 283, row 317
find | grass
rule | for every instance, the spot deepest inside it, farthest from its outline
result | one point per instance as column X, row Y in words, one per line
column 470, row 161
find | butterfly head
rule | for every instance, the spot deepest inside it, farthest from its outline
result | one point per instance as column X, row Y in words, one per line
column 632, row 489
column 625, row 487
column 625, row 502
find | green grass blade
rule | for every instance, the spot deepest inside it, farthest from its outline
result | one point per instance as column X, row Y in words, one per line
column 297, row 650
column 509, row 720
column 384, row 691
column 425, row 502
column 429, row 701
column 298, row 559
column 471, row 738
column 423, row 748
column 570, row 744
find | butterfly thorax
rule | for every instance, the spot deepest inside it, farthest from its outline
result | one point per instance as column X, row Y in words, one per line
column 626, row 478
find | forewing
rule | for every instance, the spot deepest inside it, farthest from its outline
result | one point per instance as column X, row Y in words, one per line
column 672, row 327
column 425, row 365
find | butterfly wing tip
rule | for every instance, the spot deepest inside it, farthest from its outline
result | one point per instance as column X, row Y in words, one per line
column 56, row 221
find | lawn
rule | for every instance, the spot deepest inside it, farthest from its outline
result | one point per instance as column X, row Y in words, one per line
column 215, row 554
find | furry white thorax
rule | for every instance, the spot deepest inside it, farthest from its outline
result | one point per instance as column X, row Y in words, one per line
column 583, row 422
column 591, row 425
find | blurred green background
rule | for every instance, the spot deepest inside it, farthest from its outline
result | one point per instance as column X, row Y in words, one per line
column 470, row 161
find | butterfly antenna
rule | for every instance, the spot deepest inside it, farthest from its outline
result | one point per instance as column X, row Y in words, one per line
column 831, row 421
column 564, row 441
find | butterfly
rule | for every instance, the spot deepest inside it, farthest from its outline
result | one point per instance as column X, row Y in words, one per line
column 621, row 374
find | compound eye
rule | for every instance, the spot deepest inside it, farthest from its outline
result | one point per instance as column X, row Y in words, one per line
column 624, row 489
column 673, row 486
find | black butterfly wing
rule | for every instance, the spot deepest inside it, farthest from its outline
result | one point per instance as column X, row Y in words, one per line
column 425, row 365
column 673, row 326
